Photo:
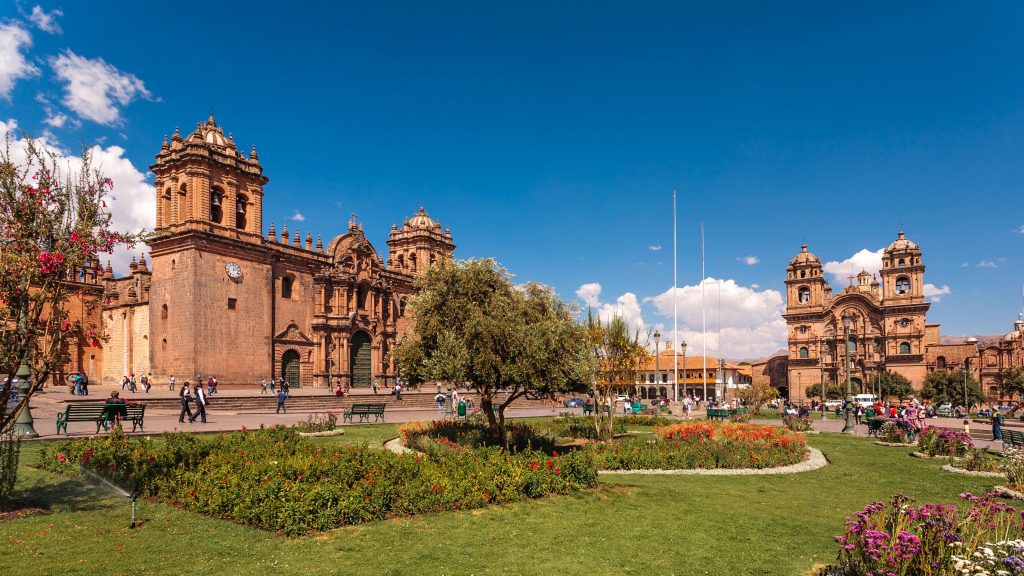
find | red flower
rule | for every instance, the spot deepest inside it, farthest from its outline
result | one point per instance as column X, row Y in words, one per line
column 191, row 493
column 558, row 469
column 436, row 487
column 534, row 465
column 550, row 463
column 61, row 458
column 554, row 453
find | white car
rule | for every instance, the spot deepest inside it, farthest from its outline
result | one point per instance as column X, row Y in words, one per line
column 831, row 405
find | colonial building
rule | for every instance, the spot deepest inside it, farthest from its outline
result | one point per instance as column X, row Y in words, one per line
column 881, row 320
column 656, row 377
column 999, row 356
column 222, row 299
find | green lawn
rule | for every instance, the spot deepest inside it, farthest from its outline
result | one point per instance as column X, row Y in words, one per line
column 630, row 525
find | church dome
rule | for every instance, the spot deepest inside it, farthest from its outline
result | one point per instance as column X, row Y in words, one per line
column 422, row 220
column 804, row 258
column 901, row 244
column 210, row 133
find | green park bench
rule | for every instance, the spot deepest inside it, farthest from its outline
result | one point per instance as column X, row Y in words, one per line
column 875, row 426
column 589, row 409
column 102, row 414
column 1012, row 439
column 718, row 413
column 364, row 411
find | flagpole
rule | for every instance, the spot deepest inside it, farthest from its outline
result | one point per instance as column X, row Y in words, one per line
column 675, row 307
column 703, row 315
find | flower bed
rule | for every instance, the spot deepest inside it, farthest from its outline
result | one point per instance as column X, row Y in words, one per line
column 275, row 480
column 797, row 423
column 474, row 433
column 703, row 445
column 937, row 442
column 928, row 539
column 893, row 433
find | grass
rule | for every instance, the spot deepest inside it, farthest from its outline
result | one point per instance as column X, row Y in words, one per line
column 630, row 525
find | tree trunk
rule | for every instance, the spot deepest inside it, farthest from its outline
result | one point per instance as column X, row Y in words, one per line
column 487, row 406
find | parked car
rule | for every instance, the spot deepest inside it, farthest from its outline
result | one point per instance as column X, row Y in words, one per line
column 865, row 400
column 831, row 405
column 576, row 402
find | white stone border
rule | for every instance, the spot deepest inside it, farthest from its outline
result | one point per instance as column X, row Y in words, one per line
column 978, row 473
column 924, row 456
column 895, row 444
column 815, row 459
column 1006, row 492
column 335, row 432
column 395, row 445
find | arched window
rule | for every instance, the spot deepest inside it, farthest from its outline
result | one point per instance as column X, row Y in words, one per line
column 902, row 285
column 240, row 211
column 940, row 362
column 361, row 297
column 433, row 259
column 401, row 307
column 412, row 262
column 286, row 287
column 902, row 263
column 804, row 353
column 216, row 205
column 803, row 294
column 803, row 273
column 904, row 347
column 163, row 312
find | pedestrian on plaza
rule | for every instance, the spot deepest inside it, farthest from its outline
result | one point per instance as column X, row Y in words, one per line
column 398, row 390
column 145, row 383
column 201, row 402
column 263, row 387
column 286, row 388
column 131, row 384
column 440, row 401
column 687, row 406
column 997, row 425
column 124, row 382
column 185, row 394
column 373, row 385
column 967, row 427
column 270, row 383
column 211, row 385
column 170, row 383
column 282, row 395
column 858, row 412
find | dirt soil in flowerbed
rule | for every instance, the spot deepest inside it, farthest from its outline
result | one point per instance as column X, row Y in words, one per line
column 22, row 513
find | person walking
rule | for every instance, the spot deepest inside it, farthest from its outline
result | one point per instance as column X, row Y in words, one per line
column 263, row 387
column 374, row 385
column 170, row 385
column 282, row 395
column 201, row 402
column 997, row 425
column 124, row 383
column 440, row 398
column 132, row 384
column 186, row 395
column 145, row 383
column 286, row 388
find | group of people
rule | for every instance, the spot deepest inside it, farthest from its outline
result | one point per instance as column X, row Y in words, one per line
column 190, row 394
column 78, row 384
column 128, row 382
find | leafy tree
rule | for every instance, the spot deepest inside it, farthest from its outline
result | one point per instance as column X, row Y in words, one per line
column 474, row 326
column 757, row 395
column 53, row 226
column 945, row 386
column 619, row 357
column 832, row 391
column 1012, row 382
column 893, row 384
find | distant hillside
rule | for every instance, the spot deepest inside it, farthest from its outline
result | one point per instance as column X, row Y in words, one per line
column 982, row 339
column 779, row 352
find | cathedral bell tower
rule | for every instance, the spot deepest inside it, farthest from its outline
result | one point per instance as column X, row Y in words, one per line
column 902, row 272
column 418, row 244
column 806, row 287
column 203, row 182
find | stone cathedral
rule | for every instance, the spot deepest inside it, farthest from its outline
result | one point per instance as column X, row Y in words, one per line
column 220, row 298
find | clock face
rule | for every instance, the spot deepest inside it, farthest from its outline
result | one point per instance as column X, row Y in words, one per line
column 234, row 271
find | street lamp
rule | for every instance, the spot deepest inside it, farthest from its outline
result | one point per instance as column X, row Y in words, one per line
column 821, row 378
column 23, row 427
column 848, row 405
column 721, row 376
column 683, row 346
column 657, row 371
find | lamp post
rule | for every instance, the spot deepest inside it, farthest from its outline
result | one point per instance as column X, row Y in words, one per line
column 23, row 427
column 657, row 370
column 683, row 346
column 848, row 404
column 966, row 368
column 721, row 376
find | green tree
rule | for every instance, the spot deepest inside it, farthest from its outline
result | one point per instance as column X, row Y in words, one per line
column 893, row 384
column 832, row 391
column 945, row 386
column 619, row 356
column 473, row 325
column 1012, row 382
column 54, row 226
column 757, row 395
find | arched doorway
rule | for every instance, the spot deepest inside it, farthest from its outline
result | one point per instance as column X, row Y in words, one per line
column 359, row 359
column 857, row 385
column 290, row 368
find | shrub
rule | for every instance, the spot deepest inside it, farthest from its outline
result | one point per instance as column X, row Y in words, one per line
column 944, row 442
column 797, row 423
column 1013, row 466
column 570, row 426
column 474, row 433
column 741, row 416
column 925, row 540
column 894, row 433
column 702, row 444
column 318, row 423
column 642, row 420
column 275, row 480
column 982, row 461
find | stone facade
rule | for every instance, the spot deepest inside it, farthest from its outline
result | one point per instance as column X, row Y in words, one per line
column 881, row 320
column 223, row 300
column 995, row 358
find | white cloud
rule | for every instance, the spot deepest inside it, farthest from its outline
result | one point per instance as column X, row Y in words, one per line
column 965, row 265
column 751, row 320
column 626, row 306
column 46, row 21
column 986, row 264
column 654, row 247
column 13, row 66
column 1021, row 229
column 298, row 217
column 863, row 260
column 590, row 294
column 94, row 89
column 749, row 260
column 132, row 202
column 934, row 293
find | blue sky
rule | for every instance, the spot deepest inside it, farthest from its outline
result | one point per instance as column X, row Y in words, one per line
column 551, row 135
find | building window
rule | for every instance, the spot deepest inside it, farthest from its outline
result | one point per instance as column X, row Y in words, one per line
column 240, row 207
column 163, row 312
column 803, row 294
column 904, row 347
column 216, row 205
column 940, row 362
column 286, row 287
column 902, row 263
column 664, row 378
column 902, row 285
column 401, row 308
column 803, row 274
column 232, row 303
column 804, row 353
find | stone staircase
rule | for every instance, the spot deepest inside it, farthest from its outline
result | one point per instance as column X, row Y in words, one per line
column 223, row 402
